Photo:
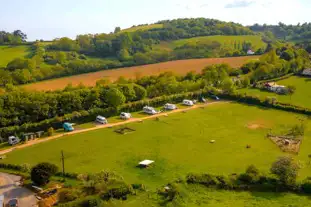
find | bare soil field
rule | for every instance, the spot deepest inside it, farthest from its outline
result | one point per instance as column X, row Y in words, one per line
column 179, row 67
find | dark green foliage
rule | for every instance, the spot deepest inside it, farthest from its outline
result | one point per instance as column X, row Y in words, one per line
column 89, row 201
column 286, row 169
column 41, row 173
column 306, row 186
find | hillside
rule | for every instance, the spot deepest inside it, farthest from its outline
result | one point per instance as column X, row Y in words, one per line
column 142, row 28
column 8, row 53
column 180, row 67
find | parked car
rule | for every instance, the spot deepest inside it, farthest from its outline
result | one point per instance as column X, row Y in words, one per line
column 13, row 203
column 13, row 140
column 68, row 127
column 187, row 103
column 125, row 115
column 149, row 110
column 169, row 106
column 101, row 120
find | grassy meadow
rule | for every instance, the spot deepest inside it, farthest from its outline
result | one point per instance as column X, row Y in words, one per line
column 178, row 144
column 225, row 41
column 301, row 97
column 142, row 28
column 8, row 53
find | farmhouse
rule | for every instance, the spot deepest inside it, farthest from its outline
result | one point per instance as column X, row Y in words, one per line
column 306, row 72
column 274, row 87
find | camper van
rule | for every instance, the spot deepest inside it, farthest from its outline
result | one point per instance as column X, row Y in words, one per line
column 13, row 140
column 149, row 110
column 187, row 103
column 124, row 115
column 101, row 120
column 169, row 106
column 68, row 127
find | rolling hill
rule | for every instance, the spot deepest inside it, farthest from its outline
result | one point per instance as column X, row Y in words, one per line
column 8, row 53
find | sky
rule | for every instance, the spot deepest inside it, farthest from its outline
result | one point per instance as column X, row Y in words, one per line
column 49, row 19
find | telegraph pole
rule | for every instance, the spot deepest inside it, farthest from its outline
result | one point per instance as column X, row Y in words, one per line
column 63, row 163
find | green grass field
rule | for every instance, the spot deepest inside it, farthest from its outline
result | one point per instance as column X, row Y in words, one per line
column 225, row 41
column 179, row 144
column 8, row 53
column 142, row 28
column 301, row 97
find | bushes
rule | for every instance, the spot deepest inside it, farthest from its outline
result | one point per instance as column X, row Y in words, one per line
column 67, row 195
column 41, row 173
column 90, row 201
column 306, row 186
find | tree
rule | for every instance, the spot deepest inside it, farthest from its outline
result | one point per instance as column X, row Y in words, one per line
column 41, row 173
column 117, row 30
column 286, row 169
column 114, row 97
column 140, row 92
column 291, row 90
column 245, row 82
column 20, row 34
column 227, row 86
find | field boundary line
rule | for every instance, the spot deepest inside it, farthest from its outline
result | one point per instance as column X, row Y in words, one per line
column 38, row 141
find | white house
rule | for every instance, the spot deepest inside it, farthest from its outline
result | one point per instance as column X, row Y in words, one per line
column 307, row 72
column 250, row 52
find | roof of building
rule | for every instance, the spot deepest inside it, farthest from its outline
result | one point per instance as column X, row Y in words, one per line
column 146, row 162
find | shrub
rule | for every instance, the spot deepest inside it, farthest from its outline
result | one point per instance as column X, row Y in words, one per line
column 41, row 173
column 90, row 201
column 306, row 186
column 50, row 131
column 25, row 167
column 67, row 195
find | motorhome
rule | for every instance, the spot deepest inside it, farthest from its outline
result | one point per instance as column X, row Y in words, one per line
column 169, row 106
column 13, row 140
column 149, row 110
column 101, row 120
column 188, row 103
column 68, row 127
column 125, row 115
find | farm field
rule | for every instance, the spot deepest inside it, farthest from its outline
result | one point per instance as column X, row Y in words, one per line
column 8, row 53
column 176, row 148
column 301, row 97
column 142, row 28
column 178, row 67
column 225, row 41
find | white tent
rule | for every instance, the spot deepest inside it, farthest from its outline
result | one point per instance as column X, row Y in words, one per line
column 146, row 163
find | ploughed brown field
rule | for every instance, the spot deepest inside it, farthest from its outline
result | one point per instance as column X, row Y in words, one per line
column 178, row 67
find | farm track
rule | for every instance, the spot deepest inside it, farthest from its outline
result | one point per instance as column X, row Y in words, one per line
column 180, row 67
column 37, row 141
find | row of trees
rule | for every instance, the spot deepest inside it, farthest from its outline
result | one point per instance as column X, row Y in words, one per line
column 16, row 37
column 285, row 32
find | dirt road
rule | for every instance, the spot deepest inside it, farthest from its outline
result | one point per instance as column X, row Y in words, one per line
column 37, row 141
column 10, row 189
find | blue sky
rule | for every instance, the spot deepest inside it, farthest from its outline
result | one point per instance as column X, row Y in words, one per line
column 49, row 19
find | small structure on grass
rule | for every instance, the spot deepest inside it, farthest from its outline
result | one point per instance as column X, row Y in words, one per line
column 212, row 141
column 124, row 130
column 145, row 163
column 306, row 72
column 286, row 143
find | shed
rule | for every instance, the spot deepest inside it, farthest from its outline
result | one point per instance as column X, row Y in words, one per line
column 29, row 136
column 145, row 163
column 39, row 134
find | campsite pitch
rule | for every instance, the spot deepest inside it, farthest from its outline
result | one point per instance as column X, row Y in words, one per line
column 179, row 144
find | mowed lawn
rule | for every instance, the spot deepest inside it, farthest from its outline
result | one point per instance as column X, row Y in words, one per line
column 8, row 53
column 224, row 40
column 178, row 144
column 301, row 97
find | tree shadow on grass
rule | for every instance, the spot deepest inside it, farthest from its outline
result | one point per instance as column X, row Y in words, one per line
column 267, row 195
